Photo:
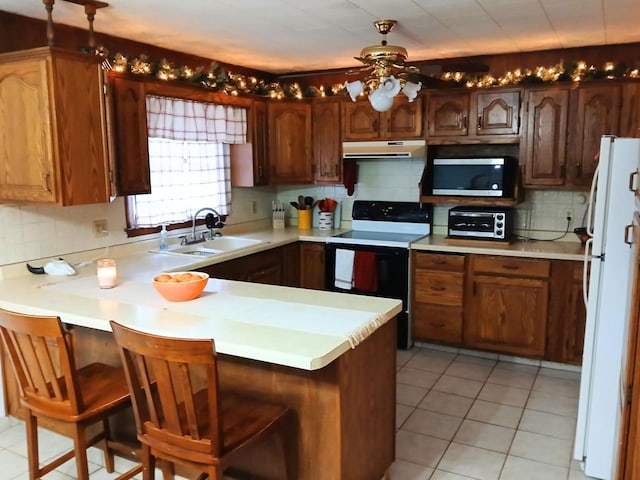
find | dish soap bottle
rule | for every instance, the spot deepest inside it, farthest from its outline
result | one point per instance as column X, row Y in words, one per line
column 164, row 245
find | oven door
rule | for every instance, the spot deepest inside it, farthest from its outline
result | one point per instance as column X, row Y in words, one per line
column 472, row 224
column 393, row 279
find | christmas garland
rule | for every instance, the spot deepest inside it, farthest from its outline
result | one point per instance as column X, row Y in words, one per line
column 217, row 78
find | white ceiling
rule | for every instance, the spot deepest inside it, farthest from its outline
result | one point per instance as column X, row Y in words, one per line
column 282, row 36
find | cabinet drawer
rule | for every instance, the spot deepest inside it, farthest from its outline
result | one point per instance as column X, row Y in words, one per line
column 440, row 324
column 439, row 288
column 437, row 261
column 511, row 266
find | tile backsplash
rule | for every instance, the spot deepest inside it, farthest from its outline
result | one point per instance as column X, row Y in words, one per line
column 32, row 232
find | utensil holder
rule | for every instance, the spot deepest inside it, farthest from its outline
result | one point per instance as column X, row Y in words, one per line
column 278, row 219
column 304, row 219
column 325, row 220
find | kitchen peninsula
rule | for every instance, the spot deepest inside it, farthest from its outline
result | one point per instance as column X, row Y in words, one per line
column 330, row 357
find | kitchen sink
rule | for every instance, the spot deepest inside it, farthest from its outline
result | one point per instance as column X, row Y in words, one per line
column 212, row 247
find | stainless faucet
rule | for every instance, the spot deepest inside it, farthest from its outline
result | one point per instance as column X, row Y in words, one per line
column 184, row 240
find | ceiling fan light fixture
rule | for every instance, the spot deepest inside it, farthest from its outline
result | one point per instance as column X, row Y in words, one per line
column 388, row 72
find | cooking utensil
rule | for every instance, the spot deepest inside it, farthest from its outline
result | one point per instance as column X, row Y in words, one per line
column 295, row 205
column 301, row 204
column 308, row 201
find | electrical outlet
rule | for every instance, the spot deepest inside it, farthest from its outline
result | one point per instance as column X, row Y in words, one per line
column 569, row 214
column 100, row 228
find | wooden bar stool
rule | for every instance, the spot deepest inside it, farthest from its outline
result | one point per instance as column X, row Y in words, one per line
column 52, row 388
column 181, row 416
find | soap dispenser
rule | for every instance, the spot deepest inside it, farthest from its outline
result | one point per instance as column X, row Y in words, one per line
column 164, row 245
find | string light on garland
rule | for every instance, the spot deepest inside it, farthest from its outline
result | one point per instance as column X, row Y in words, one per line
column 217, row 78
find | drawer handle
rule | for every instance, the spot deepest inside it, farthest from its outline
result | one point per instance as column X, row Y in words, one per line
column 440, row 262
column 437, row 324
column 439, row 289
column 510, row 267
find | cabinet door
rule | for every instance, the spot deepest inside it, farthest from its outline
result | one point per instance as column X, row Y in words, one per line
column 404, row 120
column 498, row 113
column 291, row 265
column 507, row 315
column 448, row 115
column 290, row 142
column 27, row 171
column 543, row 147
column 597, row 113
column 260, row 145
column 265, row 267
column 630, row 113
column 327, row 148
column 360, row 121
column 312, row 265
column 131, row 145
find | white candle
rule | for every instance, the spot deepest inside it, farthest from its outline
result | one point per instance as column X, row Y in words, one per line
column 107, row 274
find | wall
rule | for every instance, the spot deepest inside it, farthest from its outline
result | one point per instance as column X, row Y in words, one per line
column 542, row 215
column 33, row 232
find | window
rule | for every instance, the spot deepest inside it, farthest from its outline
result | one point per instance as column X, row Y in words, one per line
column 189, row 160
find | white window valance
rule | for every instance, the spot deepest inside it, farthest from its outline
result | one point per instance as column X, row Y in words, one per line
column 189, row 120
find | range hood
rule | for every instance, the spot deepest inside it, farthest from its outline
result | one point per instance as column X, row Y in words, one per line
column 384, row 149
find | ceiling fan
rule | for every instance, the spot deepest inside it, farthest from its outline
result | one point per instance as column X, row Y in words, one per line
column 388, row 73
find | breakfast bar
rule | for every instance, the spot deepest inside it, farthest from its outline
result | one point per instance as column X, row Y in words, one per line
column 329, row 357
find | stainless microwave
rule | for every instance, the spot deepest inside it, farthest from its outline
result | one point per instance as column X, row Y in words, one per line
column 473, row 177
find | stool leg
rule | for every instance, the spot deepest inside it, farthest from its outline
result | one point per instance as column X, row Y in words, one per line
column 148, row 464
column 32, row 447
column 108, row 454
column 80, row 447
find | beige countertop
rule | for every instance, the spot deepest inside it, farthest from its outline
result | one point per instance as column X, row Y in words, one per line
column 532, row 249
column 295, row 327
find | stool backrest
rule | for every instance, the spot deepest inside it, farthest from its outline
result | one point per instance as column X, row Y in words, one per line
column 41, row 359
column 174, row 389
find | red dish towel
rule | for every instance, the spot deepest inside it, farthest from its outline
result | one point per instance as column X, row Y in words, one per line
column 365, row 272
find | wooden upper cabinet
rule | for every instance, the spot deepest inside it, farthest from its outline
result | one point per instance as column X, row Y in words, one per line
column 327, row 147
column 54, row 136
column 131, row 144
column 544, row 140
column 290, row 147
column 404, row 121
column 448, row 114
column 473, row 114
column 498, row 113
column 630, row 112
column 595, row 112
column 250, row 161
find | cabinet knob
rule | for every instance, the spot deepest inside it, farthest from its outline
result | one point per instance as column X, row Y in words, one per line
column 46, row 176
column 480, row 122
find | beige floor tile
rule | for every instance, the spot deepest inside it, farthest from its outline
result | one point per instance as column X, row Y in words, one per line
column 484, row 435
column 542, row 448
column 401, row 470
column 513, row 377
column 434, row 424
column 402, row 413
column 431, row 360
column 517, row 367
column 13, row 465
column 548, row 424
column 408, row 395
column 421, row 449
column 558, row 386
column 403, row 356
column 492, row 392
column 516, row 468
column 441, row 475
column 446, row 403
column 578, row 474
column 495, row 414
column 550, row 403
column 473, row 368
column 472, row 461
column 416, row 377
column 559, row 373
column 458, row 386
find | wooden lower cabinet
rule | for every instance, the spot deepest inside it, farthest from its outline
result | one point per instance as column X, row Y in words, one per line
column 437, row 297
column 517, row 306
column 262, row 267
column 312, row 265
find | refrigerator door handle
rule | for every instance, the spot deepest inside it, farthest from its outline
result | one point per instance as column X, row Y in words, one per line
column 628, row 239
column 585, row 272
column 632, row 176
column 592, row 194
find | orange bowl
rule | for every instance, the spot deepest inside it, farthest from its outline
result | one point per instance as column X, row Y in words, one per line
column 180, row 286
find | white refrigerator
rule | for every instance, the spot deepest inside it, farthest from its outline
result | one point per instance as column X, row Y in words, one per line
column 607, row 298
